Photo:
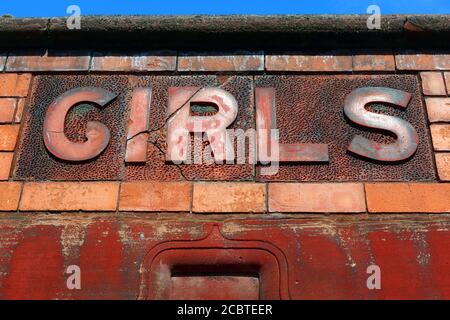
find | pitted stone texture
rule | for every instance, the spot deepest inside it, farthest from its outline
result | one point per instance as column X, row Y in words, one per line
column 36, row 163
column 156, row 167
column 310, row 109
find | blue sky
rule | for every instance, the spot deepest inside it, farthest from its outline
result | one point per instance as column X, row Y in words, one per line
column 51, row 8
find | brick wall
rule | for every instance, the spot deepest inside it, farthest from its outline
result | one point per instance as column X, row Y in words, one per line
column 108, row 226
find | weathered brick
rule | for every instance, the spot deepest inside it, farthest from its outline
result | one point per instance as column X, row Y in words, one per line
column 316, row 197
column 19, row 110
column 440, row 134
column 6, row 159
column 433, row 83
column 155, row 196
column 143, row 61
column 48, row 61
column 7, row 109
column 309, row 62
column 9, row 195
column 237, row 197
column 8, row 137
column 14, row 85
column 70, row 196
column 438, row 109
column 443, row 166
column 373, row 62
column 408, row 197
column 419, row 61
column 238, row 61
column 447, row 81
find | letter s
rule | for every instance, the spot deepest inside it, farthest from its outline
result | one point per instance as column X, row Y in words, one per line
column 407, row 138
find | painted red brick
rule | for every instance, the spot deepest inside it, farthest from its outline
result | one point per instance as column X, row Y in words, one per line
column 6, row 159
column 408, row 197
column 443, row 166
column 304, row 62
column 373, row 62
column 7, row 109
column 419, row 61
column 9, row 195
column 48, row 61
column 236, row 197
column 433, row 83
column 440, row 134
column 316, row 197
column 14, row 85
column 239, row 61
column 8, row 137
column 144, row 61
column 155, row 196
column 438, row 109
column 70, row 196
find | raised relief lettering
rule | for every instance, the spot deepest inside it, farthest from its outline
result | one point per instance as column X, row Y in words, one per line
column 97, row 134
column 407, row 137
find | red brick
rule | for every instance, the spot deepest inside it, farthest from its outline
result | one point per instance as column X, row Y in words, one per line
column 440, row 134
column 7, row 109
column 48, row 61
column 408, row 197
column 70, row 196
column 236, row 197
column 239, row 61
column 9, row 195
column 413, row 61
column 302, row 62
column 433, row 83
column 144, row 61
column 155, row 196
column 14, row 85
column 19, row 110
column 443, row 166
column 8, row 137
column 447, row 81
column 438, row 109
column 6, row 159
column 373, row 62
column 316, row 197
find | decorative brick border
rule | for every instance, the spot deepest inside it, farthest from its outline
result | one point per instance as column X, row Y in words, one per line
column 224, row 197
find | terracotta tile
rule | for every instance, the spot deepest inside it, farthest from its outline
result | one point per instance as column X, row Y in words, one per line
column 19, row 110
column 14, row 85
column 238, row 61
column 420, row 61
column 443, row 166
column 316, row 197
column 70, row 196
column 438, row 109
column 433, row 83
column 6, row 159
column 143, row 61
column 440, row 134
column 8, row 137
column 155, row 196
column 9, row 195
column 236, row 197
column 43, row 60
column 408, row 197
column 373, row 62
column 7, row 109
column 309, row 62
